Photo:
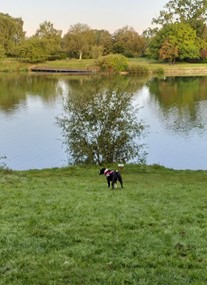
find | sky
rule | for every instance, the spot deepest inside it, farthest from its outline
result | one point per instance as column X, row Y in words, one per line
column 109, row 15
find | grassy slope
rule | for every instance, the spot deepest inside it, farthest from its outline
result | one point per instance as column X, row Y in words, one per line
column 63, row 226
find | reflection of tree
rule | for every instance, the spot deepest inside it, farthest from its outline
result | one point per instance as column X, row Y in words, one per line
column 15, row 87
column 179, row 99
column 99, row 123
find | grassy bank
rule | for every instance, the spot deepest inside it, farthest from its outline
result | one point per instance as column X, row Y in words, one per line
column 137, row 66
column 63, row 226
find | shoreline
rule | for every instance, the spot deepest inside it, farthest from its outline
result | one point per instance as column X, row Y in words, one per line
column 143, row 66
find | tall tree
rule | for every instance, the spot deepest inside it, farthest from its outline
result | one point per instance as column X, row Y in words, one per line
column 78, row 40
column 52, row 36
column 193, row 12
column 34, row 50
column 47, row 31
column 175, row 41
column 103, row 38
column 128, row 42
column 11, row 33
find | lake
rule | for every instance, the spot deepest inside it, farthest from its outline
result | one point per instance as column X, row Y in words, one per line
column 173, row 109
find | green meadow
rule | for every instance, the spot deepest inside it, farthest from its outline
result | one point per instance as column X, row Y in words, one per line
column 64, row 226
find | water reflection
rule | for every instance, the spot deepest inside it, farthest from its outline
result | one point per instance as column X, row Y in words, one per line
column 173, row 108
column 182, row 102
column 14, row 89
column 100, row 124
column 28, row 134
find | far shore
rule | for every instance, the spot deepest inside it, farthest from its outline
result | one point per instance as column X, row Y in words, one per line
column 153, row 67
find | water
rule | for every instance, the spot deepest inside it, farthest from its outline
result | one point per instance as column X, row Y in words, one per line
column 174, row 109
column 173, row 139
column 29, row 137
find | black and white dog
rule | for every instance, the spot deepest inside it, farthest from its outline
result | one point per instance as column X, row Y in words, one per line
column 112, row 176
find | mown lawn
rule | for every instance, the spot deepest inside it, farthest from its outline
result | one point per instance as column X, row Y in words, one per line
column 64, row 226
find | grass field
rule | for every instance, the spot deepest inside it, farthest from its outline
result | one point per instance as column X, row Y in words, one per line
column 64, row 226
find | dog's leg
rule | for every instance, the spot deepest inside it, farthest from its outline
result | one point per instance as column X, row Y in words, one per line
column 112, row 183
column 108, row 181
column 120, row 180
column 114, row 179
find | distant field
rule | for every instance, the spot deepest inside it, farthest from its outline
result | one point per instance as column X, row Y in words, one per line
column 64, row 226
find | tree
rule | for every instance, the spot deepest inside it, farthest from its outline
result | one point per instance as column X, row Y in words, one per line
column 11, row 33
column 193, row 12
column 180, row 38
column 128, row 42
column 34, row 50
column 47, row 31
column 99, row 123
column 49, row 34
column 169, row 50
column 103, row 38
column 78, row 40
column 96, row 51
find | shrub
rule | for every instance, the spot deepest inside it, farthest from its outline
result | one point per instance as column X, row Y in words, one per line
column 113, row 63
column 159, row 71
column 138, row 69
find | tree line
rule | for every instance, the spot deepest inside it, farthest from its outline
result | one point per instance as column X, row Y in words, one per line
column 180, row 34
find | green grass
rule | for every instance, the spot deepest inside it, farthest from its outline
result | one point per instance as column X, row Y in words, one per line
column 70, row 63
column 12, row 65
column 15, row 65
column 64, row 226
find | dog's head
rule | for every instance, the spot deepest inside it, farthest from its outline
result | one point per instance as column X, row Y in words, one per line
column 101, row 171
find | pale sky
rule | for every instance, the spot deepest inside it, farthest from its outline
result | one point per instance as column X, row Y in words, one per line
column 98, row 14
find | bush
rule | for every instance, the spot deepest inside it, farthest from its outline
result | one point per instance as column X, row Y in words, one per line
column 159, row 71
column 138, row 69
column 113, row 63
column 57, row 56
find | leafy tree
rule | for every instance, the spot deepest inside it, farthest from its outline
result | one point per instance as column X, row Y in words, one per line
column 34, row 50
column 169, row 50
column 96, row 51
column 180, row 38
column 11, row 33
column 193, row 12
column 78, row 40
column 128, row 42
column 103, row 38
column 48, row 33
column 99, row 123
column 148, row 35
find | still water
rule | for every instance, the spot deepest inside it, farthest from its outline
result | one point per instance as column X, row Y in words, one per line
column 173, row 110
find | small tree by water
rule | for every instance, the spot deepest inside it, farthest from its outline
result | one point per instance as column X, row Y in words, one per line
column 100, row 124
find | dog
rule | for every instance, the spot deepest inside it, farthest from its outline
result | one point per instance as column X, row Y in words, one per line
column 112, row 177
